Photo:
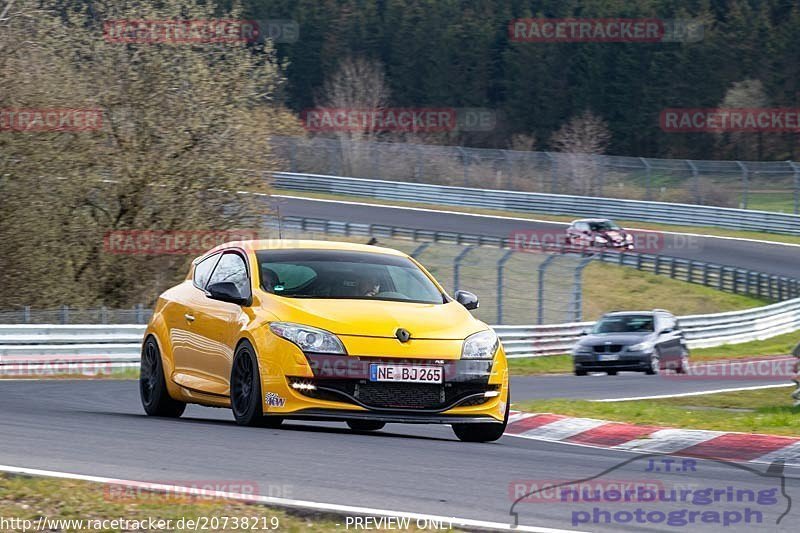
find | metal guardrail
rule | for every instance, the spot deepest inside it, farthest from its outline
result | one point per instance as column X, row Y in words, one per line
column 721, row 277
column 743, row 184
column 31, row 345
column 551, row 204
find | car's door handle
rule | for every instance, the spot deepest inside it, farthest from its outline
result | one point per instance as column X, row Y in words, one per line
column 189, row 317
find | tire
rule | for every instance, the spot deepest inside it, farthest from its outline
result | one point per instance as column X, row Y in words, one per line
column 365, row 425
column 246, row 404
column 153, row 385
column 580, row 372
column 655, row 364
column 483, row 432
column 611, row 372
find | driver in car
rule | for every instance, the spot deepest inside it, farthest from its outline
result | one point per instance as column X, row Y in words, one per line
column 369, row 286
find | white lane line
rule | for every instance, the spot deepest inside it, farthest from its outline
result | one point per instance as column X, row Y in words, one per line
column 563, row 429
column 698, row 393
column 523, row 219
column 281, row 502
column 669, row 440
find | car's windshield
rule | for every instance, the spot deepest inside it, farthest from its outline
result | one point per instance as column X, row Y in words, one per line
column 337, row 274
column 603, row 225
column 624, row 324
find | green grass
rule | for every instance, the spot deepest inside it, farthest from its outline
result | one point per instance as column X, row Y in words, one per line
column 780, row 345
column 759, row 411
column 611, row 287
column 780, row 202
column 702, row 230
column 29, row 498
column 551, row 364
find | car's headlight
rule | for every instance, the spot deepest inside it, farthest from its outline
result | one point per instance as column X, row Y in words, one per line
column 629, row 237
column 641, row 347
column 307, row 338
column 481, row 345
column 598, row 238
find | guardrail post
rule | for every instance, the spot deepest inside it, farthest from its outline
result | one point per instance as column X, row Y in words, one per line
column 690, row 271
column 553, row 173
column 293, row 154
column 672, row 267
column 457, row 266
column 26, row 314
column 648, row 177
column 64, row 314
column 695, row 182
column 140, row 314
column 464, row 163
column 796, row 169
column 103, row 315
column 500, row 265
column 745, row 184
column 540, row 288
column 419, row 249
column 577, row 289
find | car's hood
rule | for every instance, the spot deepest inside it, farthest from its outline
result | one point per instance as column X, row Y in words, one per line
column 615, row 338
column 379, row 318
column 614, row 235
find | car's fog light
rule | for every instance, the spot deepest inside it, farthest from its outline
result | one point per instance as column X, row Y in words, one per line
column 301, row 385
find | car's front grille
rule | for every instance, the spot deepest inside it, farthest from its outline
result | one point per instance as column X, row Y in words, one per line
column 400, row 396
column 608, row 348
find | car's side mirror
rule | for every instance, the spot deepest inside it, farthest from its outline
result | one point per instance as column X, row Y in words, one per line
column 467, row 299
column 583, row 332
column 226, row 291
column 665, row 330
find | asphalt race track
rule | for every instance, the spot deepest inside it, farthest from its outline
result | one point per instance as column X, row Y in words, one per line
column 98, row 428
column 759, row 256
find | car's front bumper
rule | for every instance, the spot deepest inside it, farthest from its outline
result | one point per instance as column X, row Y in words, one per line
column 339, row 388
column 634, row 361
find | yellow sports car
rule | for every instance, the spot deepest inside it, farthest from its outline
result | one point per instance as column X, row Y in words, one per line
column 321, row 330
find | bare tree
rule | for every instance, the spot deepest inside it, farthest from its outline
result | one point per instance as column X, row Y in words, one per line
column 179, row 122
column 358, row 84
column 746, row 94
column 580, row 140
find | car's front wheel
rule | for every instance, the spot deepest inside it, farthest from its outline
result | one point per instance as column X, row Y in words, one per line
column 153, row 385
column 483, row 432
column 246, row 390
column 365, row 425
column 654, row 365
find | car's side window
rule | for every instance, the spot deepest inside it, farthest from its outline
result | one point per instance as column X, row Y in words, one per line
column 232, row 268
column 202, row 271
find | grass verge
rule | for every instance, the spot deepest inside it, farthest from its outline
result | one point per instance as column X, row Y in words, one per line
column 701, row 230
column 28, row 498
column 757, row 411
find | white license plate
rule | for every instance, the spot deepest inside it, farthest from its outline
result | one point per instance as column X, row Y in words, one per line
column 608, row 357
column 406, row 373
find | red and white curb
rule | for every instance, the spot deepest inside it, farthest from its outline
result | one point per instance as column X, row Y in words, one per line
column 721, row 445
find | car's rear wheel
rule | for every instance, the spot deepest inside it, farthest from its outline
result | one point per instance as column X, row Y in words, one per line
column 580, row 371
column 611, row 372
column 246, row 390
column 683, row 366
column 365, row 425
column 483, row 432
column 153, row 385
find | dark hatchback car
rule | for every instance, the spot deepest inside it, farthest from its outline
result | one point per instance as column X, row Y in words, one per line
column 643, row 341
column 598, row 233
